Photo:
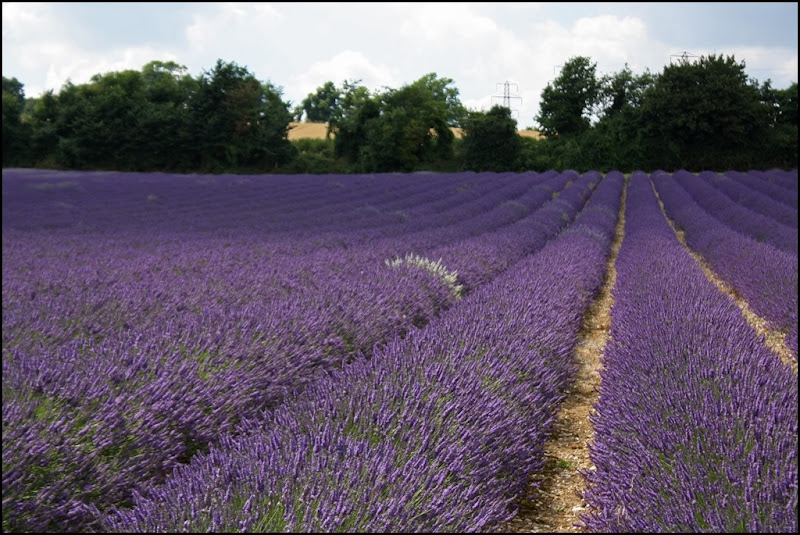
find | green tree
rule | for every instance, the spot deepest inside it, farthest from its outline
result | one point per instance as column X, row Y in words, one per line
column 445, row 95
column 491, row 141
column 108, row 132
column 73, row 117
column 703, row 115
column 395, row 141
column 162, row 118
column 93, row 125
column 238, row 121
column 779, row 146
column 355, row 107
column 615, row 142
column 163, row 131
column 320, row 105
column 407, row 128
column 44, row 130
column 622, row 90
column 15, row 134
column 127, row 120
column 567, row 104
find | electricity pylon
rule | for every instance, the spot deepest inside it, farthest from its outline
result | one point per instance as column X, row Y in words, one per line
column 507, row 96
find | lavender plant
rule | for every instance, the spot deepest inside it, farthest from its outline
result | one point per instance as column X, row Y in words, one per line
column 779, row 185
column 437, row 432
column 140, row 350
column 696, row 423
column 763, row 275
column 746, row 196
column 741, row 219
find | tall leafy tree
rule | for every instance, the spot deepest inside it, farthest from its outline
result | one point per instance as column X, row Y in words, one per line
column 622, row 90
column 446, row 95
column 567, row 103
column 412, row 128
column 73, row 117
column 45, row 119
column 92, row 125
column 15, row 134
column 114, row 104
column 491, row 141
column 703, row 115
column 615, row 142
column 163, row 130
column 238, row 121
column 355, row 107
column 127, row 120
column 779, row 147
column 320, row 105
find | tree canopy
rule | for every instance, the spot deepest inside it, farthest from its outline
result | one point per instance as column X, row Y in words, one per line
column 398, row 129
column 703, row 114
column 491, row 141
column 697, row 115
column 320, row 105
column 567, row 102
column 14, row 135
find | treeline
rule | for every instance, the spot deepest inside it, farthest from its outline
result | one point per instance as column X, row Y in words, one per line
column 700, row 115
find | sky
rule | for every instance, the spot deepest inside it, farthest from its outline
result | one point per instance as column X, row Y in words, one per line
column 479, row 45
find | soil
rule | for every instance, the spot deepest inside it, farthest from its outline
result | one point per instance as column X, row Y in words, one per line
column 556, row 504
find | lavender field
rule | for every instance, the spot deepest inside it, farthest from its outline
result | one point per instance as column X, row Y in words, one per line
column 388, row 352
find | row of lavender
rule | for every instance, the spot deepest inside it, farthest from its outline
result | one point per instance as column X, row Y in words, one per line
column 780, row 185
column 107, row 287
column 764, row 275
column 93, row 201
column 176, row 369
column 745, row 195
column 437, row 432
column 696, row 423
column 499, row 248
column 742, row 219
column 97, row 202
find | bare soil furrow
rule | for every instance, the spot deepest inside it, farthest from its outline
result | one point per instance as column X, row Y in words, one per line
column 774, row 340
column 555, row 501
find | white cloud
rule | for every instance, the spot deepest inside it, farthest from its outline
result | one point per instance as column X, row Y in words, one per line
column 46, row 57
column 441, row 24
column 612, row 39
column 531, row 60
column 24, row 20
column 346, row 65
column 301, row 46
column 779, row 65
column 231, row 21
column 80, row 67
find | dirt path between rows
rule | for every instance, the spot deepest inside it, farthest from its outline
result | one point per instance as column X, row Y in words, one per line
column 774, row 340
column 556, row 504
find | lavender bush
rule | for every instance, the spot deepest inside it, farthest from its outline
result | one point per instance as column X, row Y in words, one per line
column 739, row 218
column 437, row 432
column 779, row 185
column 138, row 351
column 766, row 277
column 696, row 423
column 746, row 196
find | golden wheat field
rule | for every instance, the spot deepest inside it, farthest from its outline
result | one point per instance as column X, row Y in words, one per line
column 318, row 130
